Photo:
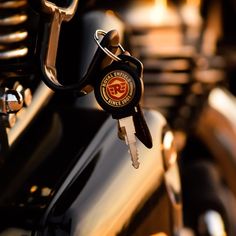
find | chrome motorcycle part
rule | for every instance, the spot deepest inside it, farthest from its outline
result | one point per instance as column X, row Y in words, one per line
column 13, row 33
column 66, row 13
column 14, row 49
column 12, row 101
column 169, row 149
column 58, row 14
column 211, row 223
column 26, row 93
column 18, row 25
column 217, row 129
column 41, row 97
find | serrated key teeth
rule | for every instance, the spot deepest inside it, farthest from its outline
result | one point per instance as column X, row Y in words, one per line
column 134, row 155
column 135, row 164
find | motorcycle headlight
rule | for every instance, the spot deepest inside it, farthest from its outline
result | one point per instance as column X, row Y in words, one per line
column 168, row 148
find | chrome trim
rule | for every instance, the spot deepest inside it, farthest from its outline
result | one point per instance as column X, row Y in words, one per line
column 59, row 14
column 13, row 4
column 224, row 102
column 13, row 37
column 13, row 20
column 217, row 128
column 172, row 179
column 212, row 224
column 7, row 38
column 65, row 13
column 169, row 149
column 40, row 98
column 14, row 53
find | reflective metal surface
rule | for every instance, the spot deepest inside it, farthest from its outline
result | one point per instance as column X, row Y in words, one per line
column 217, row 128
column 58, row 14
column 41, row 96
column 115, row 190
column 212, row 224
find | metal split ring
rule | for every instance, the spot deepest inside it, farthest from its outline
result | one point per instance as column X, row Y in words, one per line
column 104, row 49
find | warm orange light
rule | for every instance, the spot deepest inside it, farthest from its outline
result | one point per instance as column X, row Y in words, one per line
column 193, row 2
column 159, row 234
column 161, row 3
column 191, row 15
column 33, row 188
column 159, row 10
column 168, row 140
column 169, row 151
column 160, row 6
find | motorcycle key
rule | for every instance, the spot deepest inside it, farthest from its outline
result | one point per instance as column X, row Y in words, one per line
column 141, row 127
column 118, row 90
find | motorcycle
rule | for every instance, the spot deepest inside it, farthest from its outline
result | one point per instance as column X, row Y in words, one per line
column 64, row 171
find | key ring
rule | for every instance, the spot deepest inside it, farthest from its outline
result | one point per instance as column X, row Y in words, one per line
column 104, row 49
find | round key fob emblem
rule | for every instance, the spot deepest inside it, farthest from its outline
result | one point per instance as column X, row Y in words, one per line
column 119, row 89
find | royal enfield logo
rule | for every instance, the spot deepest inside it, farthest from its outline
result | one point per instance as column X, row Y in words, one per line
column 117, row 88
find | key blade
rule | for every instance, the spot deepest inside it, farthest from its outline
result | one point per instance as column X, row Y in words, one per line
column 127, row 125
column 134, row 155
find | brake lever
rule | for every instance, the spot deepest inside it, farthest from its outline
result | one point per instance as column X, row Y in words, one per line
column 59, row 14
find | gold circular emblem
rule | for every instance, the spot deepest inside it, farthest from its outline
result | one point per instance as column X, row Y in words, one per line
column 117, row 88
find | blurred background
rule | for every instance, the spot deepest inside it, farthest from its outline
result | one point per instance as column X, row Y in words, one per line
column 188, row 52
